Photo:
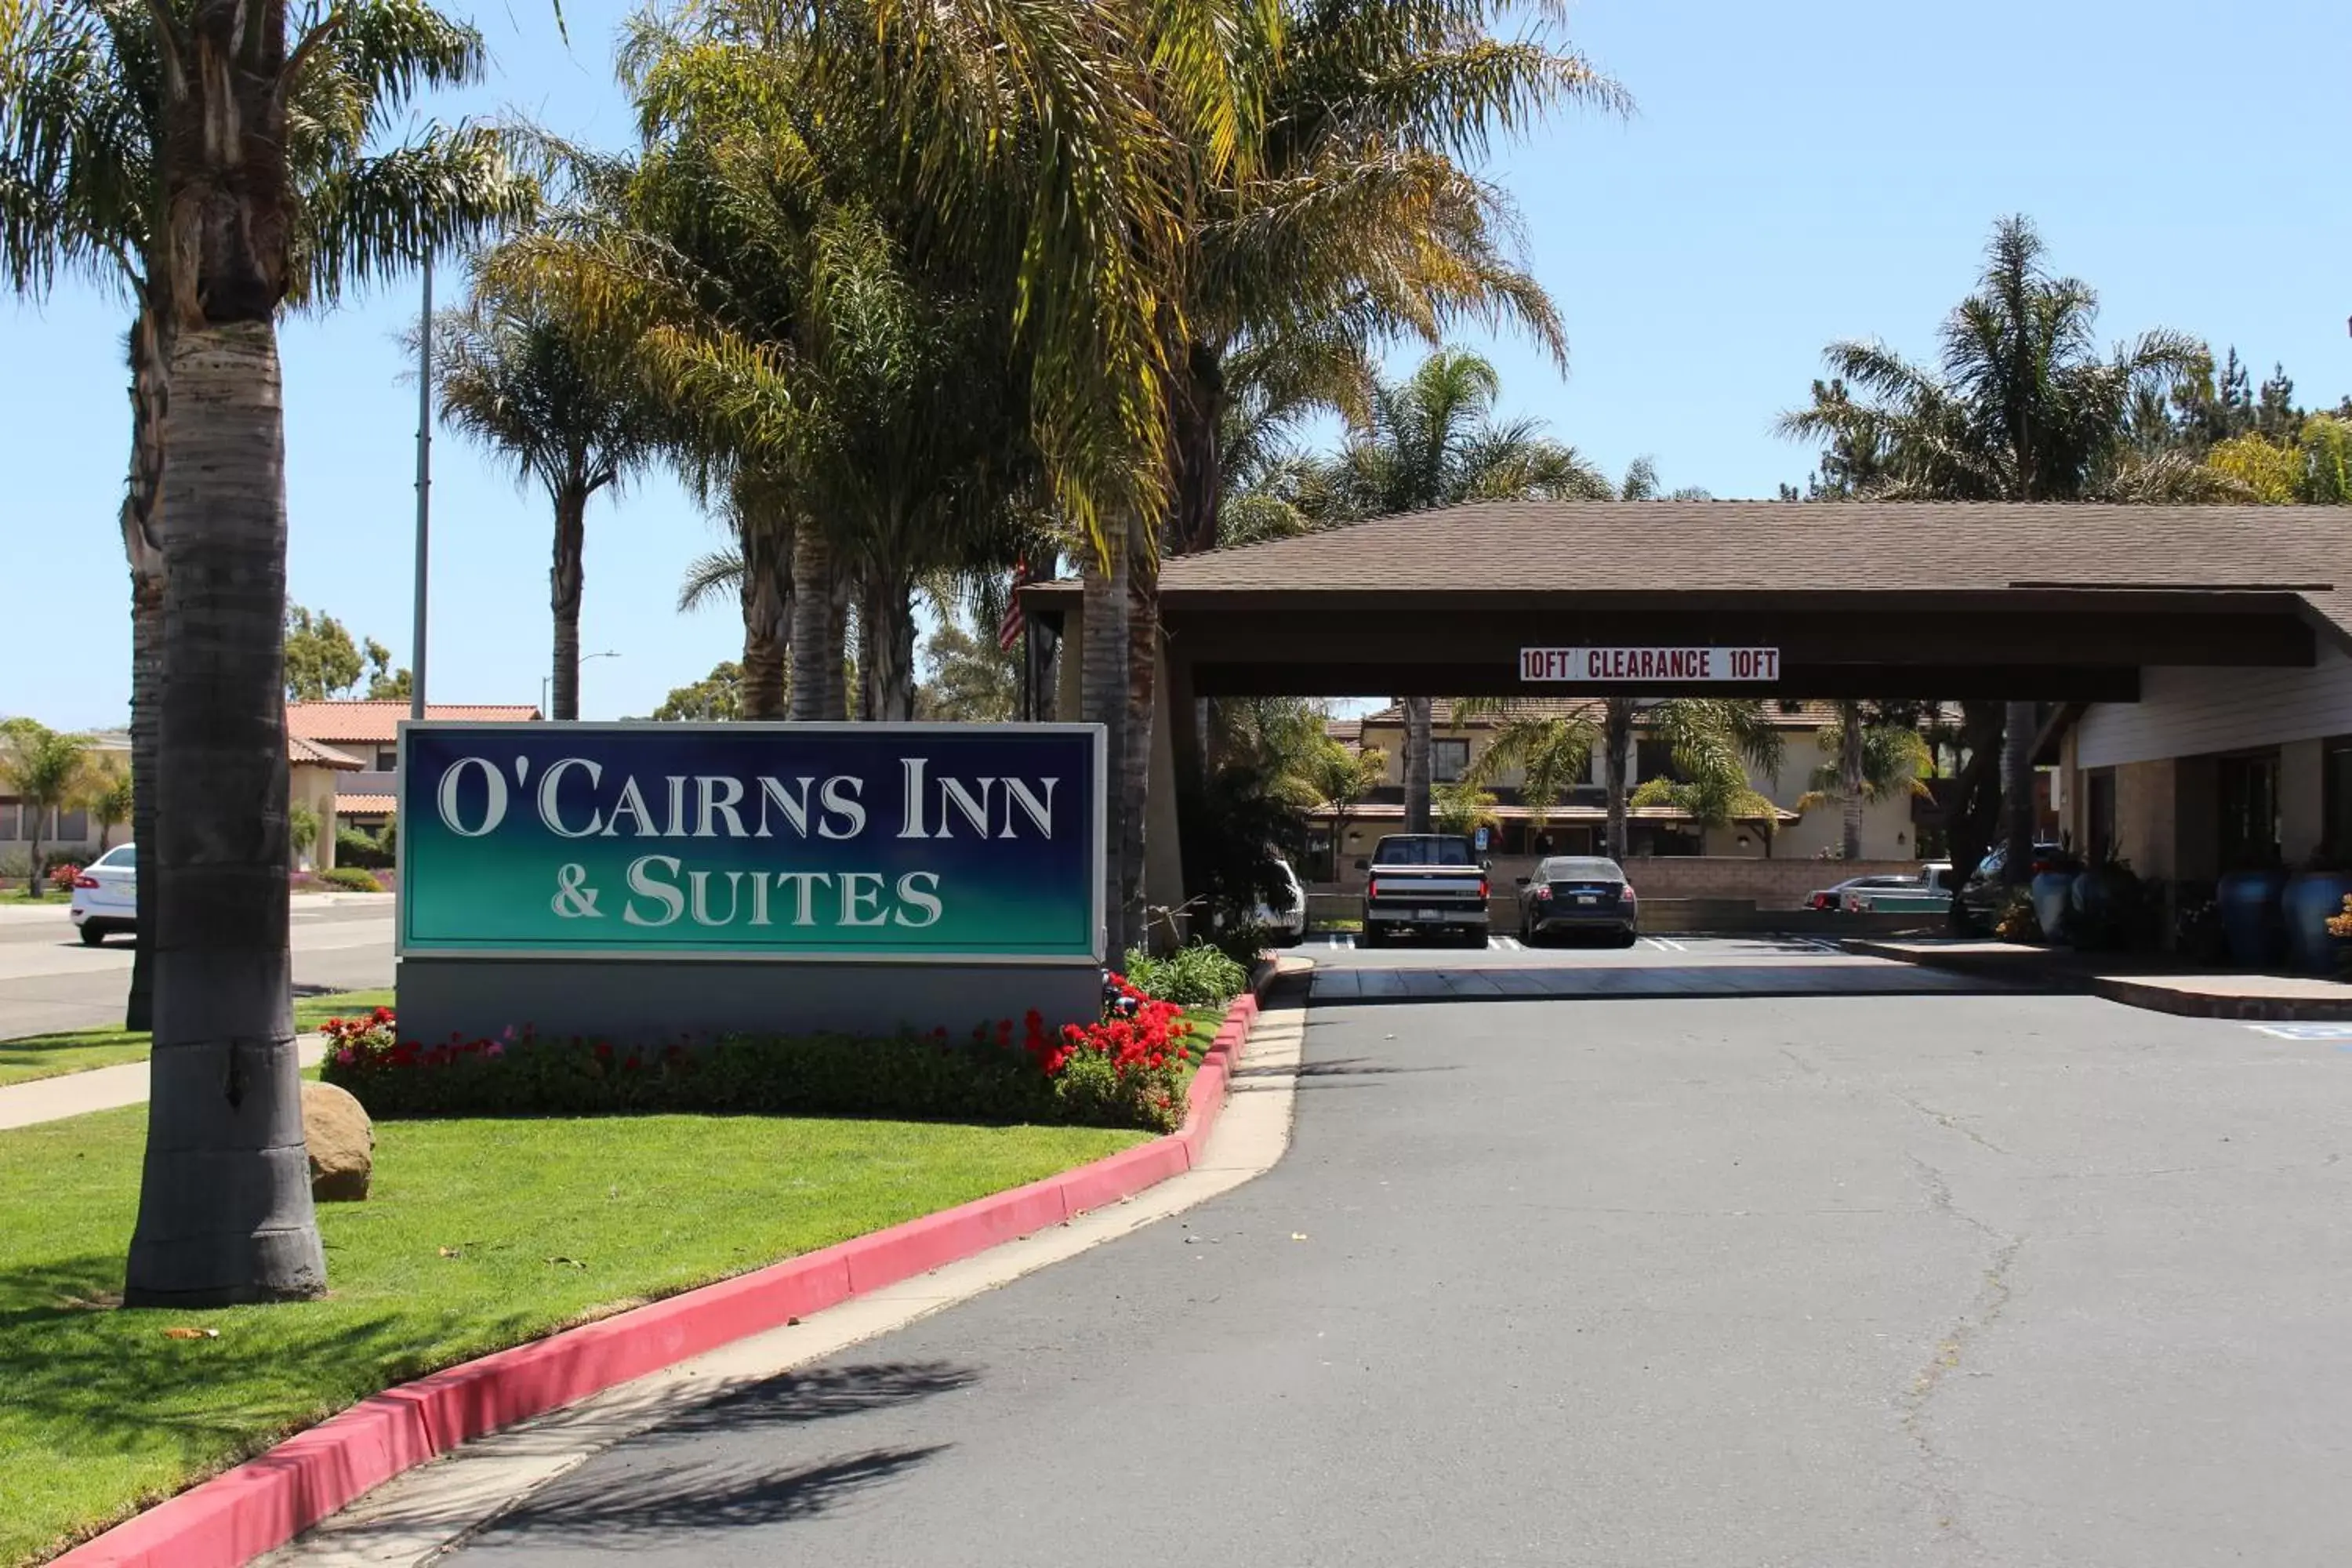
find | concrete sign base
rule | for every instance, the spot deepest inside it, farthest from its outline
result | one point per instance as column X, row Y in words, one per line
column 643, row 1000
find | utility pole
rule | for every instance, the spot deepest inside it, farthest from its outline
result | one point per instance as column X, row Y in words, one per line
column 424, row 486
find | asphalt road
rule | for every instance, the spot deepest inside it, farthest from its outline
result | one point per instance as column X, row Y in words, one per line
column 1870, row 1277
column 49, row 981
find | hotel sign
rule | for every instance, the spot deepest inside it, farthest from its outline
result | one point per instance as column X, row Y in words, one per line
column 915, row 843
column 1663, row 665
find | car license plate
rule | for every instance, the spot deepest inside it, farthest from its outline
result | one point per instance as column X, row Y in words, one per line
column 1587, row 898
column 1429, row 914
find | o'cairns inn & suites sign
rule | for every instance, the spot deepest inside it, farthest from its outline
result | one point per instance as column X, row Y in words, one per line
column 666, row 879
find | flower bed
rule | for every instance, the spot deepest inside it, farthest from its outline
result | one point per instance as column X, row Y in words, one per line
column 1125, row 1069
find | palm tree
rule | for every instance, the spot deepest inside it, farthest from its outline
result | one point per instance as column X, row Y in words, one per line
column 1553, row 753
column 88, row 93
column 44, row 770
column 108, row 795
column 1429, row 440
column 2023, row 406
column 529, row 386
column 1341, row 779
column 1870, row 761
column 210, row 155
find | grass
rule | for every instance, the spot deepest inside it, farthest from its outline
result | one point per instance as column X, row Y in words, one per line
column 479, row 1235
column 78, row 1050
column 18, row 896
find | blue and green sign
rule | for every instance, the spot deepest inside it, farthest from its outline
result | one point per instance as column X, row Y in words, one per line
column 943, row 842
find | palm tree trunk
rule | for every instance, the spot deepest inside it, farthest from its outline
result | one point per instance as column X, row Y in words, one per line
column 1135, row 742
column 886, row 644
column 224, row 1211
column 1970, row 813
column 564, row 582
column 1616, row 753
column 766, row 595
column 142, row 519
column 2017, row 792
column 837, row 631
column 1416, row 764
column 811, row 635
column 1850, row 775
column 1103, row 700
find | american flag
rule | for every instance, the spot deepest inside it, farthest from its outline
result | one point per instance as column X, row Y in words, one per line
column 1008, row 632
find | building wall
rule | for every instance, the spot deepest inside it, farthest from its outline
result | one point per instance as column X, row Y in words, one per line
column 315, row 786
column 2189, row 713
column 1769, row 884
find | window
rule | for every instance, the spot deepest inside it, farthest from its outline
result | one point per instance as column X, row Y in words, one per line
column 1416, row 850
column 1654, row 760
column 8, row 823
column 2249, row 810
column 2335, row 795
column 2099, row 812
column 73, row 826
column 1448, row 760
column 123, row 856
column 387, row 758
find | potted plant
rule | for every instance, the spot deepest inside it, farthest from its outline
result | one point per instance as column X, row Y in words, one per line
column 2052, row 892
column 2311, row 897
column 2248, row 897
column 2103, row 906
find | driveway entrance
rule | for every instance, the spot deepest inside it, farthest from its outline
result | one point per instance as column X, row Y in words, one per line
column 1657, row 967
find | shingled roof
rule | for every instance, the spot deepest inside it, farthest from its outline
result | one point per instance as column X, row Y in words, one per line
column 1646, row 548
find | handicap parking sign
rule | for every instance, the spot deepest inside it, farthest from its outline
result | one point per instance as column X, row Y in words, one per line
column 1482, row 840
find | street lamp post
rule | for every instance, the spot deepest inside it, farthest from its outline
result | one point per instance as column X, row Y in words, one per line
column 584, row 657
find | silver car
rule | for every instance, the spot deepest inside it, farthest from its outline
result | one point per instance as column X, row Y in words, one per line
column 1284, row 916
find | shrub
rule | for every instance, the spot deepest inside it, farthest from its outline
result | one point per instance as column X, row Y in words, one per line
column 62, row 875
column 1200, row 975
column 1115, row 1072
column 351, row 879
column 359, row 848
column 2018, row 921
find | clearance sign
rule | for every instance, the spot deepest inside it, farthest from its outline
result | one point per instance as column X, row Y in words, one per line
column 1649, row 664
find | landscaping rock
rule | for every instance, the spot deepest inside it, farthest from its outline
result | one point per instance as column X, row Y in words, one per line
column 342, row 1140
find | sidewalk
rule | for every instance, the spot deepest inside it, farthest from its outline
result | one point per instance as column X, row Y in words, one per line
column 2148, row 981
column 100, row 1089
column 55, row 913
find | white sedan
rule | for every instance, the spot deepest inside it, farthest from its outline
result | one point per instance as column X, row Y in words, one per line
column 106, row 896
column 1285, row 916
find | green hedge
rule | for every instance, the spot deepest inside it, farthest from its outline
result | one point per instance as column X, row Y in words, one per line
column 1195, row 976
column 907, row 1078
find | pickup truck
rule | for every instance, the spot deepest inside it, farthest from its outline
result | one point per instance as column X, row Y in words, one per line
column 1429, row 884
column 1931, row 894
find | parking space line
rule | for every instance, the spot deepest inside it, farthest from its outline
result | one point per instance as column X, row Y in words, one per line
column 1341, row 941
column 1504, row 943
column 1666, row 944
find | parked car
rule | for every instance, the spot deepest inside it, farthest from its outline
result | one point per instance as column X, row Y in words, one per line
column 106, row 896
column 1929, row 892
column 1430, row 884
column 1577, row 894
column 1285, row 916
column 1834, row 898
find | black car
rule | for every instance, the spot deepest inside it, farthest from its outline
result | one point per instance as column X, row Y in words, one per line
column 1576, row 893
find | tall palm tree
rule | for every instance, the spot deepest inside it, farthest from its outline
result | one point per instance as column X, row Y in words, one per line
column 211, row 155
column 1431, row 440
column 89, row 92
column 533, row 389
column 2022, row 406
column 1868, row 760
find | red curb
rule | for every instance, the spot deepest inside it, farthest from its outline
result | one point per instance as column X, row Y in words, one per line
column 263, row 1503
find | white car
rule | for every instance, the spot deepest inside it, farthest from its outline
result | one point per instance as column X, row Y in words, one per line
column 1285, row 916
column 106, row 896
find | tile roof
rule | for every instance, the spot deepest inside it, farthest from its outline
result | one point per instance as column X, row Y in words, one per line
column 379, row 721
column 1744, row 547
column 299, row 749
column 357, row 804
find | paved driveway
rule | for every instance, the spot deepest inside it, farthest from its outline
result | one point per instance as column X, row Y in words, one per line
column 49, row 981
column 1855, row 1278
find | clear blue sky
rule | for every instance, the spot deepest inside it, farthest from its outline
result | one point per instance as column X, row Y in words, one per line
column 1793, row 173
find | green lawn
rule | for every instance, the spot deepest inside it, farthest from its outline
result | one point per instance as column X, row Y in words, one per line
column 76, row 1050
column 17, row 895
column 479, row 1234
